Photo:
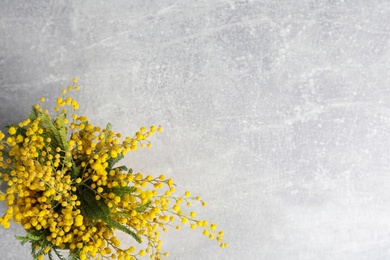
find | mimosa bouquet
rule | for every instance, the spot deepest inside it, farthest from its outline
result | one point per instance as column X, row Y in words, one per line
column 64, row 187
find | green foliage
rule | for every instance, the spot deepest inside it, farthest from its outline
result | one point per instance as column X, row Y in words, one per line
column 121, row 191
column 108, row 129
column 49, row 254
column 74, row 254
column 58, row 254
column 61, row 133
column 4, row 171
column 21, row 131
column 6, row 155
column 113, row 161
column 56, row 133
column 30, row 237
column 98, row 210
column 75, row 170
column 34, row 114
column 120, row 214
column 121, row 168
column 92, row 208
column 112, row 223
column 143, row 207
column 61, row 257
column 38, row 242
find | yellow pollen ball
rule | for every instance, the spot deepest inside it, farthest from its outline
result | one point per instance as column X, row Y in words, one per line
column 12, row 130
column 78, row 220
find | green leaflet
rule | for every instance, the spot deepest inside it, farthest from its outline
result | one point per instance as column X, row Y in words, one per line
column 35, row 238
column 34, row 114
column 57, row 135
column 50, row 255
column 120, row 214
column 53, row 144
column 22, row 240
column 28, row 238
column 61, row 257
column 62, row 133
column 108, row 129
column 92, row 208
column 98, row 210
column 74, row 255
column 120, row 227
column 143, row 207
column 121, row 168
column 121, row 191
column 75, row 170
column 6, row 155
column 113, row 161
column 6, row 171
column 21, row 131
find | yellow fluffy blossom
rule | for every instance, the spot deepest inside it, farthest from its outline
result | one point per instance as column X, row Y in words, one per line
column 12, row 130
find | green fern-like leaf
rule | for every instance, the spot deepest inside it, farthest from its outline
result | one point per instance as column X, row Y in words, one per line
column 50, row 255
column 75, row 170
column 22, row 240
column 53, row 144
column 120, row 214
column 21, row 131
column 58, row 136
column 34, row 114
column 28, row 238
column 98, row 210
column 34, row 251
column 61, row 257
column 101, row 144
column 113, row 161
column 62, row 133
column 116, row 225
column 121, row 168
column 108, row 129
column 143, row 207
column 74, row 254
column 92, row 208
column 6, row 171
column 38, row 241
column 121, row 191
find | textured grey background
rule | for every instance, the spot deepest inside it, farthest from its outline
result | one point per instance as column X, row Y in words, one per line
column 275, row 112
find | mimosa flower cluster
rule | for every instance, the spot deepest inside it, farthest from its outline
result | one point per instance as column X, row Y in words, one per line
column 64, row 189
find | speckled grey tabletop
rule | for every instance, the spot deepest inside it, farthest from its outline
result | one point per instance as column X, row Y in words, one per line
column 275, row 112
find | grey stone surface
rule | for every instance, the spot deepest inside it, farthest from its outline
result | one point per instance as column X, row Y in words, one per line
column 275, row 112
